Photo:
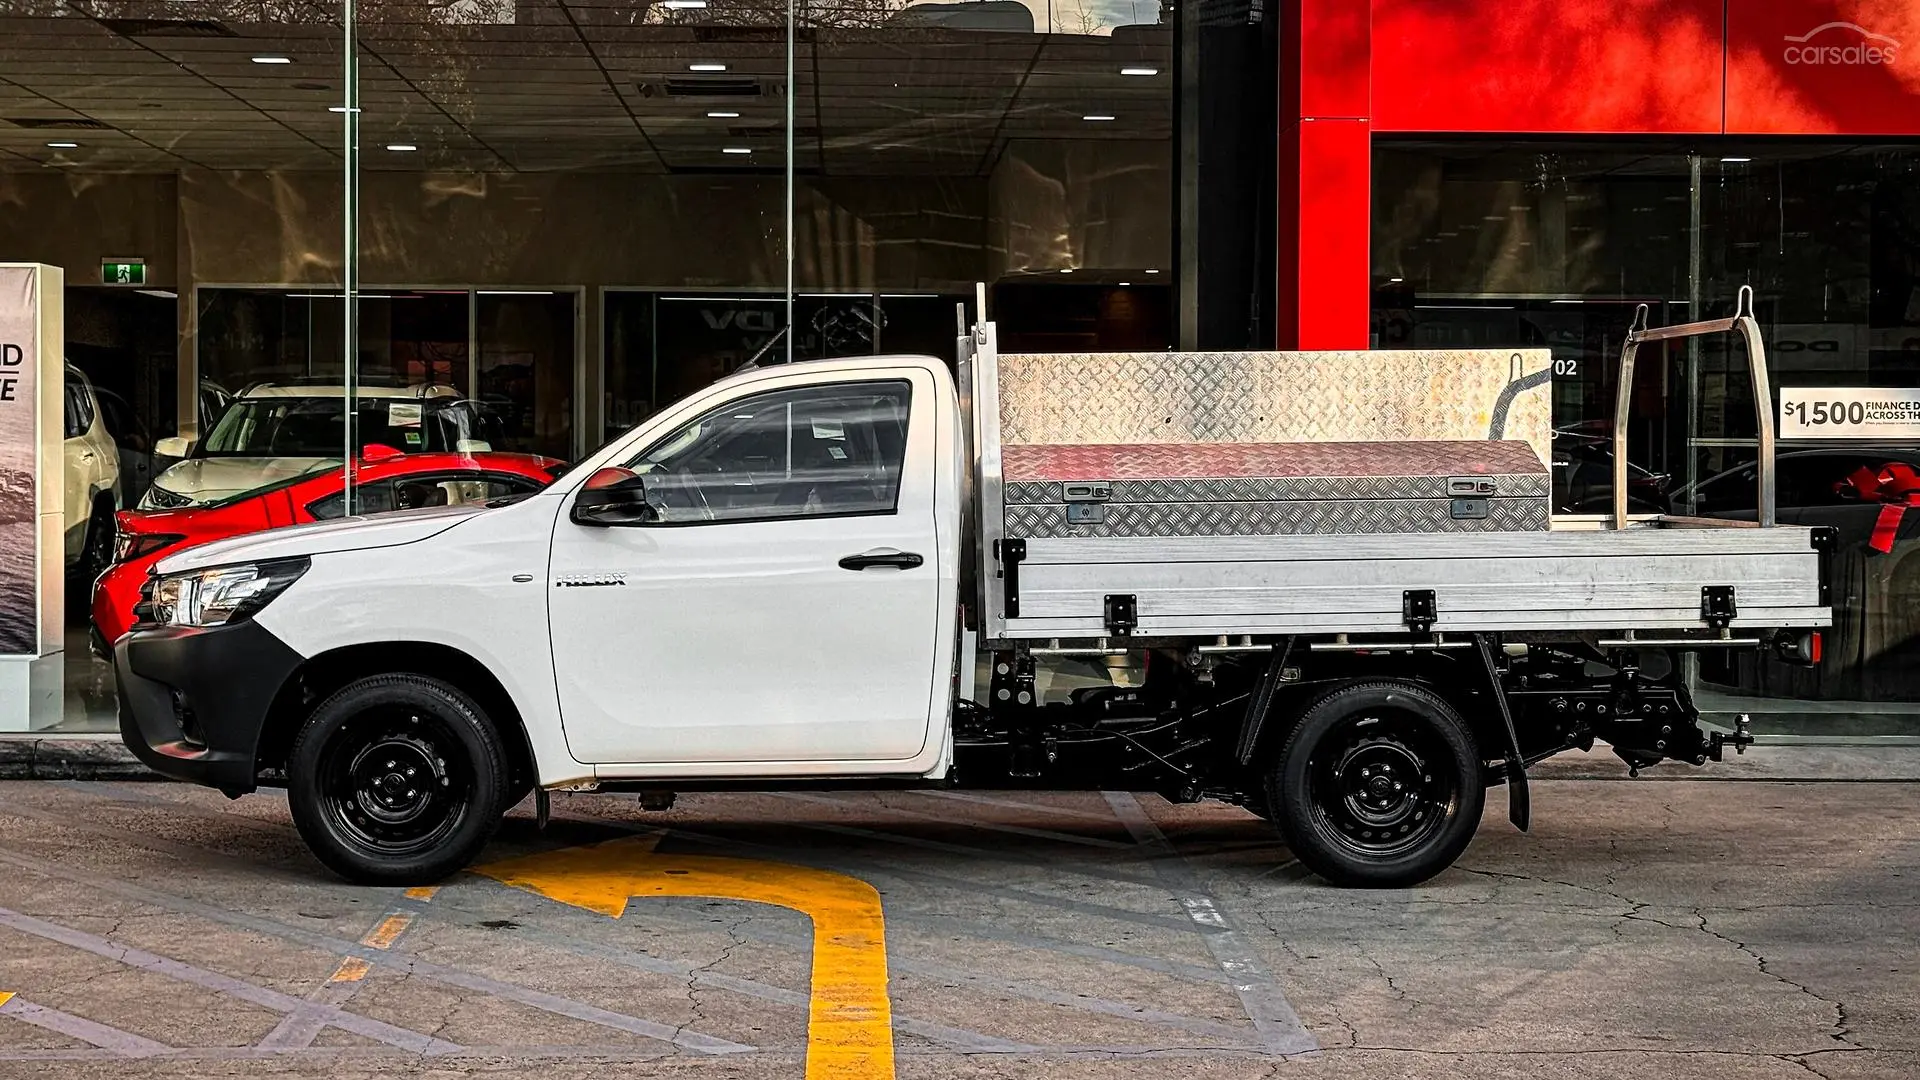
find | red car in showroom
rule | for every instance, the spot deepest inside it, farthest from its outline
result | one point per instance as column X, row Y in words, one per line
column 388, row 480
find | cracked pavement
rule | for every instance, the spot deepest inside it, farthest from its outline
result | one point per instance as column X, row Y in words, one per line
column 1672, row 929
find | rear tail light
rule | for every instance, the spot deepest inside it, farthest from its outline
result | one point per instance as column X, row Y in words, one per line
column 128, row 545
column 1804, row 648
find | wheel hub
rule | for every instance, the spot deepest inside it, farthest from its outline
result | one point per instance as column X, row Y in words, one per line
column 1378, row 793
column 395, row 780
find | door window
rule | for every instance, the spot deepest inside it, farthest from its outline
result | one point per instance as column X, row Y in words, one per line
column 79, row 408
column 813, row 451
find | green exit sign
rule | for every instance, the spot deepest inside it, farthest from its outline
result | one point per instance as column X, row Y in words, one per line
column 123, row 272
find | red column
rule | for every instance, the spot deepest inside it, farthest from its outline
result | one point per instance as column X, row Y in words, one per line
column 1324, row 178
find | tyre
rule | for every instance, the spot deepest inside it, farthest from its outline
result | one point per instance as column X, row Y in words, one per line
column 96, row 551
column 397, row 780
column 1379, row 785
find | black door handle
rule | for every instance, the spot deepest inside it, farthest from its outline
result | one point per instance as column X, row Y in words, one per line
column 899, row 560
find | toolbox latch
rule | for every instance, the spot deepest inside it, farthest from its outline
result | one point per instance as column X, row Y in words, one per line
column 1419, row 609
column 1122, row 614
column 1717, row 606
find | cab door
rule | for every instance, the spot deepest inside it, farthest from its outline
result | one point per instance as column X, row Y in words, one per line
column 782, row 603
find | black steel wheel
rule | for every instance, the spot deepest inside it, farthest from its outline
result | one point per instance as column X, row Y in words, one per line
column 1378, row 785
column 397, row 780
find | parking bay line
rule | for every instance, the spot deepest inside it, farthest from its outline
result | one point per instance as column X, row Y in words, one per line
column 1278, row 1025
column 78, row 1027
column 466, row 980
column 227, row 984
column 299, row 1029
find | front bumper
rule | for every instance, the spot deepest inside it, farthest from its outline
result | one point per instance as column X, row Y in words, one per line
column 193, row 702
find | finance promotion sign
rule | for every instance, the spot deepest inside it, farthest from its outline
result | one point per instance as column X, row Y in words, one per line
column 1850, row 412
column 19, row 441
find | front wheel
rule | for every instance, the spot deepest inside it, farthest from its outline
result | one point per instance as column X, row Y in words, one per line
column 397, row 780
column 1379, row 785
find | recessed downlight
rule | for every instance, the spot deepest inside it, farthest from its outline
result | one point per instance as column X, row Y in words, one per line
column 402, row 148
column 722, row 114
column 706, row 67
column 272, row 60
column 1140, row 72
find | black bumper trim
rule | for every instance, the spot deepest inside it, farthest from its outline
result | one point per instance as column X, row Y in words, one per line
column 193, row 702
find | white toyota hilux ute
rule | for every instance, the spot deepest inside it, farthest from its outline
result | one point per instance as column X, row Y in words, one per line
column 785, row 579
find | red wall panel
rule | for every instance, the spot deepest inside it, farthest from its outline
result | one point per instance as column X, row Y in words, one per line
column 1827, row 67
column 1576, row 66
column 1325, row 250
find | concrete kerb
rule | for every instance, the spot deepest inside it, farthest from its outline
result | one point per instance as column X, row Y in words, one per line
column 69, row 757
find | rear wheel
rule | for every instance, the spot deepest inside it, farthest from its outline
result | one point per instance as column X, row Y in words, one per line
column 1379, row 785
column 96, row 551
column 397, row 780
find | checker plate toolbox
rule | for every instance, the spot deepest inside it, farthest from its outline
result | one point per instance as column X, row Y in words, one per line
column 1247, row 496
column 1265, row 489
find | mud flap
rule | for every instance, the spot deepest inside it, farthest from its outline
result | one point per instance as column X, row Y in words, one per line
column 1519, row 800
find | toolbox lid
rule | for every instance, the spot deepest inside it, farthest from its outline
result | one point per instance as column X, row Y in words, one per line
column 1184, row 461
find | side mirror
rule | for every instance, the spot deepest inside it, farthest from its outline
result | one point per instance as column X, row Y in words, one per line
column 378, row 452
column 613, row 497
column 173, row 446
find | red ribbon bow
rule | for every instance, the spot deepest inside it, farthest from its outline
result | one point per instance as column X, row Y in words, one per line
column 1896, row 486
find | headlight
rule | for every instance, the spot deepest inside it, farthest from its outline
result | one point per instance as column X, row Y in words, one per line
column 159, row 498
column 221, row 595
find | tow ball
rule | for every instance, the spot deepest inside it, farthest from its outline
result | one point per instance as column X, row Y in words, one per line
column 1740, row 739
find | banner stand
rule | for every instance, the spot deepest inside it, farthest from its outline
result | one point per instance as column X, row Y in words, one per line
column 32, row 496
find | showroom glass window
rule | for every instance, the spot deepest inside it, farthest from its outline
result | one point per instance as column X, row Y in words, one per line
column 1554, row 243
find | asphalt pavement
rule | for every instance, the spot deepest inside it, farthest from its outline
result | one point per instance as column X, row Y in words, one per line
column 1642, row 929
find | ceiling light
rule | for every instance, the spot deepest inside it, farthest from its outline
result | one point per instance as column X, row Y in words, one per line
column 64, row 145
column 402, row 148
column 340, row 109
column 1096, row 116
column 1735, row 160
column 271, row 60
column 1139, row 71
column 1124, row 284
column 736, row 150
column 1067, row 270
column 1395, row 280
column 706, row 67
column 723, row 115
column 683, row 5
column 1153, row 271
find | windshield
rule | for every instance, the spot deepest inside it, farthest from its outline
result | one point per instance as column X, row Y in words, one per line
column 316, row 427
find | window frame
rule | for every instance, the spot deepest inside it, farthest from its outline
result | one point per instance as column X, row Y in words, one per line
column 903, row 381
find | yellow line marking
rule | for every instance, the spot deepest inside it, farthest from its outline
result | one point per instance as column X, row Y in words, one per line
column 849, row 1020
column 423, row 893
column 389, row 930
column 352, row 969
